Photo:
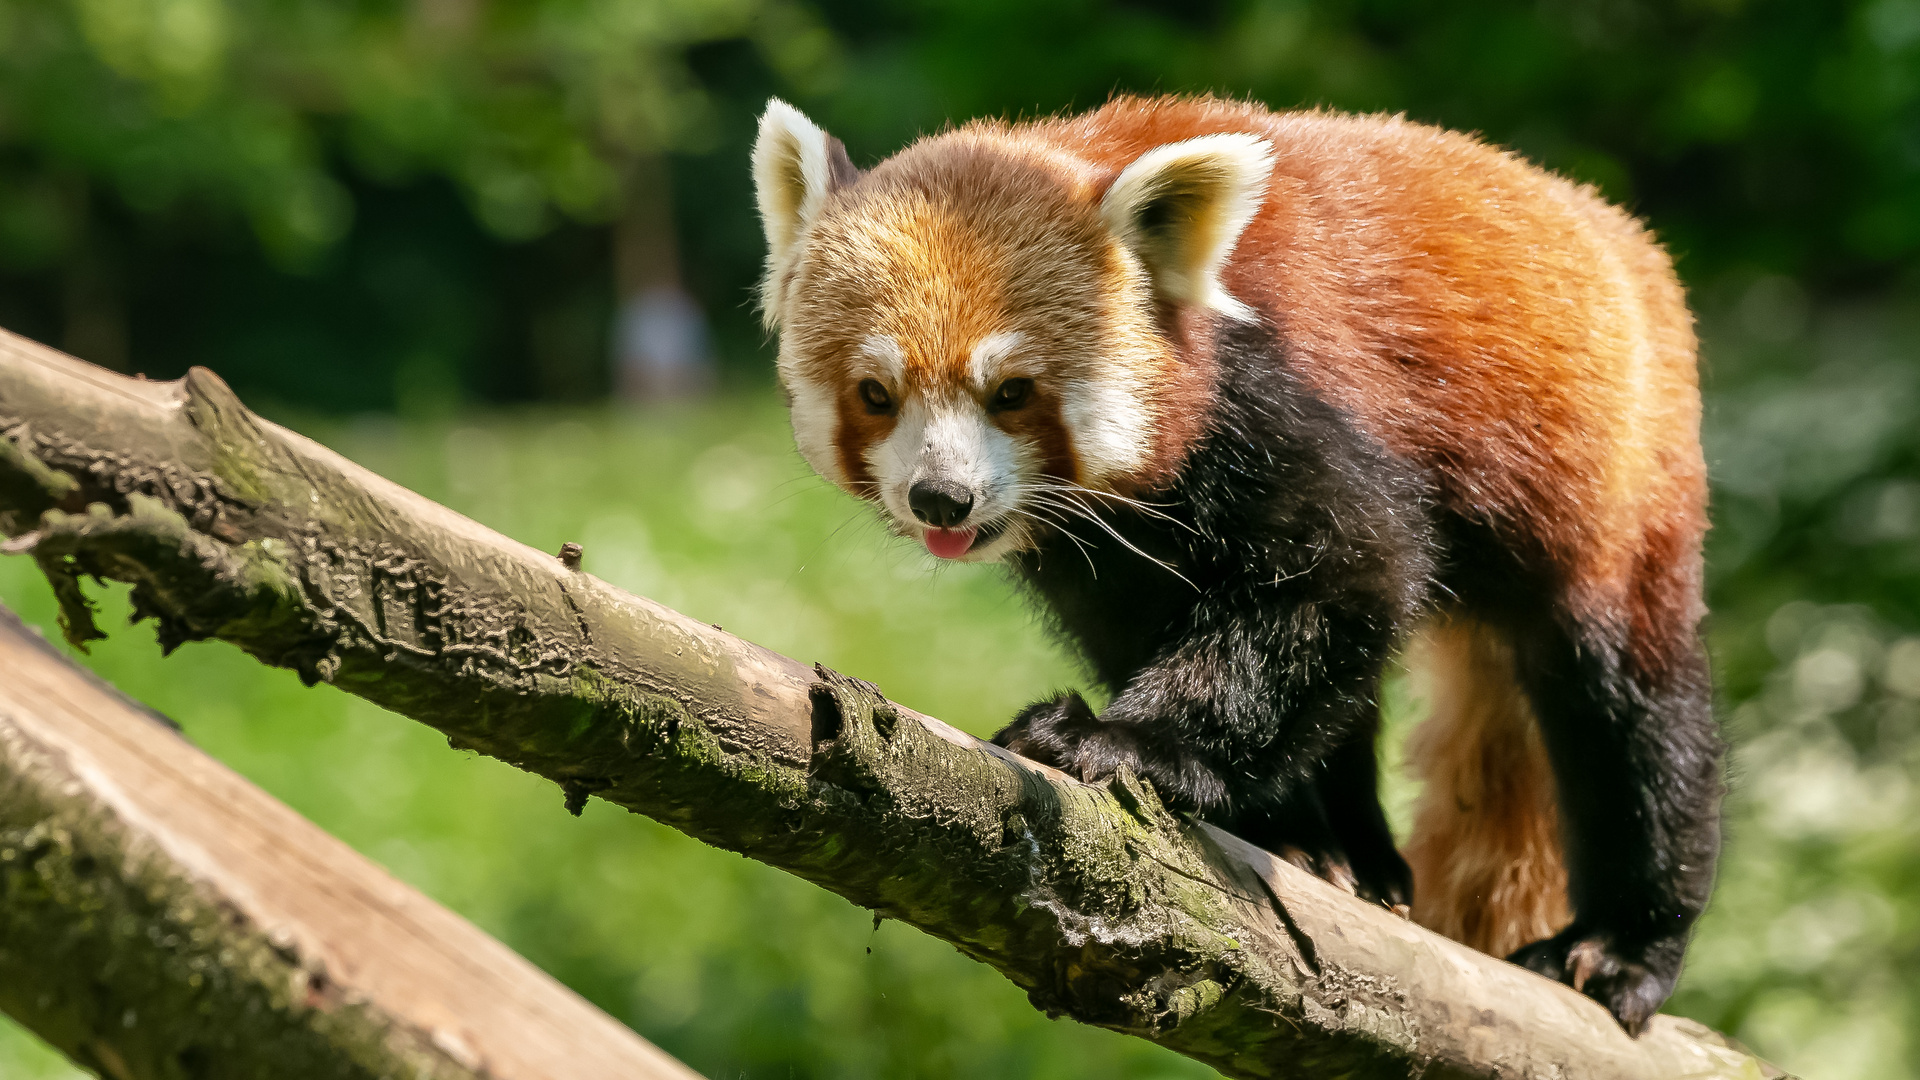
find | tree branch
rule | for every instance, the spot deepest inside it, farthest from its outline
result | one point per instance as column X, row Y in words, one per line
column 161, row 917
column 1096, row 900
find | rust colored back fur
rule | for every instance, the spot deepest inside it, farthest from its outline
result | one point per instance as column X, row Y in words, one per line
column 1505, row 329
column 1527, row 345
column 1485, row 850
column 1523, row 344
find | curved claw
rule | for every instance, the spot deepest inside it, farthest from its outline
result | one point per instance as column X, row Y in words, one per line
column 1625, row 981
column 1329, row 866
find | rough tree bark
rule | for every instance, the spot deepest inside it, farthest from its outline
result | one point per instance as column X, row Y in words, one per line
column 163, row 919
column 1096, row 900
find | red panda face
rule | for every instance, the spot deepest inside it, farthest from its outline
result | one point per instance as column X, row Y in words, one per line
column 962, row 344
column 966, row 338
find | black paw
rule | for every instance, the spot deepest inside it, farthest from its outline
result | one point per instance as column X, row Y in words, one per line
column 1631, row 983
column 1064, row 732
column 1327, row 865
column 1385, row 879
column 1052, row 732
column 1382, row 876
column 1298, row 831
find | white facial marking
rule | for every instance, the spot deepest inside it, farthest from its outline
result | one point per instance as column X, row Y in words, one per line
column 893, row 460
column 1110, row 429
column 988, row 357
column 952, row 441
column 888, row 358
column 816, row 418
column 815, row 410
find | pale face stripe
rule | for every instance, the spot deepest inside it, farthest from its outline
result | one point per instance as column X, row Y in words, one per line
column 884, row 350
column 985, row 365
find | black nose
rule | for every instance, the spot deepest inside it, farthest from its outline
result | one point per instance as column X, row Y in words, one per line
column 940, row 503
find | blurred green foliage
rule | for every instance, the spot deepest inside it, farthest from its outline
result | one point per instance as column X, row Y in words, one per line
column 404, row 206
column 341, row 189
column 1811, row 947
column 532, row 108
column 380, row 203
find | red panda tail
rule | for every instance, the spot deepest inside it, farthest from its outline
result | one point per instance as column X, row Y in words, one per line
column 1485, row 852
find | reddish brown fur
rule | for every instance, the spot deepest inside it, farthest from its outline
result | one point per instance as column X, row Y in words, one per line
column 1549, row 387
column 1523, row 342
column 1485, row 850
column 947, row 280
column 1040, row 426
column 859, row 429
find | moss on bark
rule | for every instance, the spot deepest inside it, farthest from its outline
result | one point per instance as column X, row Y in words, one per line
column 134, row 971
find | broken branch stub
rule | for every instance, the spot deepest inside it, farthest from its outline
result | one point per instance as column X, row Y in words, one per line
column 1095, row 899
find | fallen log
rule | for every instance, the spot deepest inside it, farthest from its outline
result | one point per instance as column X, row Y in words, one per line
column 162, row 917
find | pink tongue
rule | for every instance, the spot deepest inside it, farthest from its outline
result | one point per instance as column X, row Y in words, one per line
column 949, row 543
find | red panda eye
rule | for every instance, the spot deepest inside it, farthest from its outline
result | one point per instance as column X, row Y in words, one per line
column 1011, row 395
column 876, row 396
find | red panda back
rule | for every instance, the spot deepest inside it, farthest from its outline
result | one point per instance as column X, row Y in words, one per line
column 1511, row 331
column 1528, row 345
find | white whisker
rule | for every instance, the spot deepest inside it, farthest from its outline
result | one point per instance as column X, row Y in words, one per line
column 1081, row 510
column 1150, row 509
column 1085, row 552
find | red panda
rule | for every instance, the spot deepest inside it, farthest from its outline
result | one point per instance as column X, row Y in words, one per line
column 1244, row 400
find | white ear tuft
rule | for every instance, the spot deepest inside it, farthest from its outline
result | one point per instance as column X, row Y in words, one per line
column 1181, row 209
column 793, row 170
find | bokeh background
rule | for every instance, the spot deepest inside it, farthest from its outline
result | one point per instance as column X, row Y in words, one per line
column 501, row 251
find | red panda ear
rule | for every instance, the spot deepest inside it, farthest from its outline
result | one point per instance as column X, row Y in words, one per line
column 1181, row 208
column 795, row 166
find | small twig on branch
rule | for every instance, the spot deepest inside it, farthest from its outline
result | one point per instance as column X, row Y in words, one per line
column 1096, row 900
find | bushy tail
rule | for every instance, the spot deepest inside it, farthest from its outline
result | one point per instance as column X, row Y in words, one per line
column 1485, row 851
